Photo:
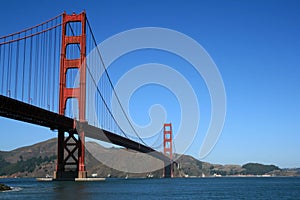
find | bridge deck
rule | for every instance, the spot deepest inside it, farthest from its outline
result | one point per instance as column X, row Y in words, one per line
column 14, row 109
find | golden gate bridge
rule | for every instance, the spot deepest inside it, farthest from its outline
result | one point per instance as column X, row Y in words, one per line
column 47, row 80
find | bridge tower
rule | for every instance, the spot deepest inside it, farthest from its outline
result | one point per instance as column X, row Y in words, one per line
column 71, row 148
column 168, row 151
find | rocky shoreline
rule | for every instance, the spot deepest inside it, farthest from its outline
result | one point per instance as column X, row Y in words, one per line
column 4, row 187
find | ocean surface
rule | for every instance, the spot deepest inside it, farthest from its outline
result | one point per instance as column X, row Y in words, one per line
column 177, row 188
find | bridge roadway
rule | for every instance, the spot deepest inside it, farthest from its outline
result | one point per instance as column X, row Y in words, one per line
column 17, row 110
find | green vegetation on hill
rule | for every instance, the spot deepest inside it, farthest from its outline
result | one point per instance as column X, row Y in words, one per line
column 258, row 169
column 29, row 165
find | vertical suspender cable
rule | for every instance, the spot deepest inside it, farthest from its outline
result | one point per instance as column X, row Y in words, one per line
column 9, row 70
column 2, row 66
column 30, row 69
column 54, row 67
column 57, row 70
column 23, row 67
column 42, row 66
column 36, row 65
column 48, row 71
column 112, row 87
column 46, row 96
column 17, row 68
column 4, row 53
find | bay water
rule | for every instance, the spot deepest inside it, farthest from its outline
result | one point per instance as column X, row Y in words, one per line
column 176, row 188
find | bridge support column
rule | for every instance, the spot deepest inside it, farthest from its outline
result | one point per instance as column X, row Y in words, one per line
column 82, row 173
column 60, row 168
column 168, row 168
column 69, row 156
column 72, row 147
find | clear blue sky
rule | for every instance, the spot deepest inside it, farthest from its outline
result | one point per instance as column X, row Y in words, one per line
column 255, row 44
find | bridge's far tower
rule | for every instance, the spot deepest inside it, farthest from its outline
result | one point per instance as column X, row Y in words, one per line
column 168, row 151
column 71, row 149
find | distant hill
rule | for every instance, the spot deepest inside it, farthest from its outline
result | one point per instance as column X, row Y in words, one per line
column 32, row 161
column 258, row 169
column 39, row 160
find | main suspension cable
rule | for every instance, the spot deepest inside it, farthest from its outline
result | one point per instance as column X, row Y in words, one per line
column 98, row 90
column 114, row 91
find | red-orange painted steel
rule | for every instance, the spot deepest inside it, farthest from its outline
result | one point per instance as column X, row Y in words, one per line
column 168, row 140
column 78, row 93
column 168, row 151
